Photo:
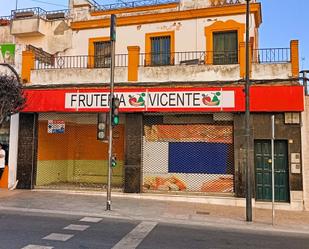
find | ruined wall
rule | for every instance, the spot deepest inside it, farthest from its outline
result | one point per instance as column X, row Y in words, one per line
column 5, row 36
column 51, row 36
column 271, row 71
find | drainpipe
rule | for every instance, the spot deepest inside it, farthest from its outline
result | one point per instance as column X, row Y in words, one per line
column 305, row 80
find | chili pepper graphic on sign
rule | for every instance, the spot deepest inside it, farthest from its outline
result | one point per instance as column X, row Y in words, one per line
column 137, row 101
column 214, row 101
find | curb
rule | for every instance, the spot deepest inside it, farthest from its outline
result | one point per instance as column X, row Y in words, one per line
column 211, row 200
column 218, row 223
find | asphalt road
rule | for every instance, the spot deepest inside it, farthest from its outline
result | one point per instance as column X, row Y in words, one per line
column 39, row 231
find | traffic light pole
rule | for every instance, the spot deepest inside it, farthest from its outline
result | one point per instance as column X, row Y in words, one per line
column 111, row 97
column 247, row 123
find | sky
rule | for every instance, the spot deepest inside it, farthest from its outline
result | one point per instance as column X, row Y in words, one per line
column 282, row 21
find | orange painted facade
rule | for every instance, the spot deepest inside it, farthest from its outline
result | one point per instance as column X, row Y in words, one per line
column 79, row 142
column 219, row 26
column 148, row 37
column 91, row 42
column 27, row 66
column 171, row 16
column 4, row 178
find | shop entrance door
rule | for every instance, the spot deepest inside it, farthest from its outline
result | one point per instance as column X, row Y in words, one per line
column 262, row 161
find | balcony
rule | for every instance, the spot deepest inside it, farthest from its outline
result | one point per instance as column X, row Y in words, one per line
column 271, row 63
column 32, row 21
column 127, row 5
column 189, row 66
column 5, row 20
column 148, row 3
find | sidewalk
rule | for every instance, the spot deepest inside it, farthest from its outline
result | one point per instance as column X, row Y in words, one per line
column 138, row 207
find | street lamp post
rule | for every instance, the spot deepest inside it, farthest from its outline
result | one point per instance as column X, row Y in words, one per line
column 247, row 123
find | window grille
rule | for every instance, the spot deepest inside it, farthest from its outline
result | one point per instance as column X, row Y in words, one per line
column 102, row 54
column 160, row 50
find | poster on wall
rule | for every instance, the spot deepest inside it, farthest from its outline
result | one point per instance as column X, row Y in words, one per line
column 188, row 157
column 7, row 53
column 189, row 182
column 55, row 126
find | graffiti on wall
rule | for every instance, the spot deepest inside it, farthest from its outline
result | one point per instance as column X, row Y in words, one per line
column 188, row 157
column 7, row 53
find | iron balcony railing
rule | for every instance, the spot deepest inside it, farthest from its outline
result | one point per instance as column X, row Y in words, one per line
column 177, row 58
column 38, row 12
column 79, row 61
column 8, row 18
column 134, row 4
column 189, row 58
column 5, row 20
column 271, row 55
column 94, row 3
column 262, row 56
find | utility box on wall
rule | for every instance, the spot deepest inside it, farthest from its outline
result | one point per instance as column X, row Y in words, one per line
column 295, row 163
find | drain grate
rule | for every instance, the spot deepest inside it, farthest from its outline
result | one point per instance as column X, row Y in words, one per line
column 203, row 212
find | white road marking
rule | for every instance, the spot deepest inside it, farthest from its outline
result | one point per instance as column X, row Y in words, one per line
column 76, row 227
column 91, row 219
column 136, row 236
column 37, row 247
column 58, row 236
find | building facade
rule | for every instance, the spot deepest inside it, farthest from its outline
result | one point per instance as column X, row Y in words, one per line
column 179, row 75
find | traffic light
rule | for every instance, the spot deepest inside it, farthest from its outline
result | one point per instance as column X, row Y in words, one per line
column 113, row 28
column 115, row 111
column 101, row 127
column 114, row 162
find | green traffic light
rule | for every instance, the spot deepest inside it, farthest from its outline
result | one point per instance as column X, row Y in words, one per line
column 114, row 162
column 116, row 120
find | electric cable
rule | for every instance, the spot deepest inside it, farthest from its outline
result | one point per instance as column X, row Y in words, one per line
column 49, row 3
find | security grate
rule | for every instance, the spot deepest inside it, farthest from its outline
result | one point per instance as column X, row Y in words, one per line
column 70, row 156
column 185, row 153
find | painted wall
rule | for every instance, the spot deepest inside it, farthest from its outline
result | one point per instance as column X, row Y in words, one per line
column 179, row 73
column 135, row 35
column 57, row 36
column 76, row 156
column 76, row 75
column 189, row 4
column 271, row 71
column 146, row 74
column 189, row 73
column 29, row 26
column 305, row 154
column 14, row 131
column 5, row 36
